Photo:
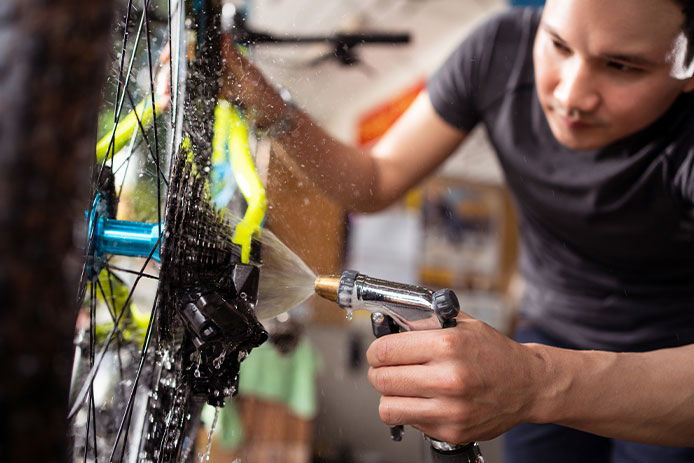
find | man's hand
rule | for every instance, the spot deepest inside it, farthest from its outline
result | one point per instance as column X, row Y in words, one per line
column 456, row 384
column 245, row 85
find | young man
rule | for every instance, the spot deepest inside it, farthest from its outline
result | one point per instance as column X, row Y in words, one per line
column 588, row 104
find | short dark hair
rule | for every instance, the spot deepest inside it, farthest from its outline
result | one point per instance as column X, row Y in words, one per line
column 688, row 25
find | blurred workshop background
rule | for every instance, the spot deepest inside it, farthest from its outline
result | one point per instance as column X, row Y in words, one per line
column 310, row 399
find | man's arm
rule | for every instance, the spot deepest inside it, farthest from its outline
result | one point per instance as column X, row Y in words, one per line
column 359, row 179
column 646, row 397
column 473, row 383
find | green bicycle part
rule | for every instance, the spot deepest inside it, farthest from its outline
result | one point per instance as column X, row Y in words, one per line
column 125, row 128
column 113, row 294
column 231, row 127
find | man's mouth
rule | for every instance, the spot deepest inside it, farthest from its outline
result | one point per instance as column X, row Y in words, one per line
column 573, row 119
column 575, row 124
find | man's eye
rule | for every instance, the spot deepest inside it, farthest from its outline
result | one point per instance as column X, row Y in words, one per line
column 560, row 46
column 621, row 67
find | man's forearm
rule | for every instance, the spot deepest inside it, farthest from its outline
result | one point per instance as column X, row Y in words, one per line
column 645, row 397
column 347, row 174
column 361, row 180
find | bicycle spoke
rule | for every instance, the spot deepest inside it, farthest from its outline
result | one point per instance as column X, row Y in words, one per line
column 126, row 163
column 155, row 156
column 110, row 287
column 122, row 56
column 92, row 406
column 83, row 286
column 122, row 62
column 86, row 440
column 91, row 412
column 173, row 91
column 127, row 413
column 174, row 78
column 129, row 407
column 154, row 113
column 91, row 415
column 132, row 272
column 108, row 307
column 92, row 372
column 133, row 147
column 121, row 84
column 90, row 423
column 121, row 97
column 86, row 437
column 118, row 340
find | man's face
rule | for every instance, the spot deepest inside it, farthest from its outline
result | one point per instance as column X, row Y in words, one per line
column 603, row 68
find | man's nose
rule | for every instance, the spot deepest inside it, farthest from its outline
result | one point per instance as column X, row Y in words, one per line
column 576, row 90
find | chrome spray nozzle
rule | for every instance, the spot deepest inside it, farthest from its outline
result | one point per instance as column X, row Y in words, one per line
column 411, row 307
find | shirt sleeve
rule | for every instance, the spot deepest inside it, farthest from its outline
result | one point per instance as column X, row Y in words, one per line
column 460, row 89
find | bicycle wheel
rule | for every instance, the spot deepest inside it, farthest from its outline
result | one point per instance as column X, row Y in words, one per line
column 155, row 341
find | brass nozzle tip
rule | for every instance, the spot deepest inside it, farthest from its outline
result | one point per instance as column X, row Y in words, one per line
column 326, row 286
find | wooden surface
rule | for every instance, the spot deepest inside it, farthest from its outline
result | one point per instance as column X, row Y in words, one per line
column 309, row 223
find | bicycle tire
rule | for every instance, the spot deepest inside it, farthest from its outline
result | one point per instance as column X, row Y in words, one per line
column 49, row 92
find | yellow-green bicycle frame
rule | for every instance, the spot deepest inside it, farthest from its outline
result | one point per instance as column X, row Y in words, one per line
column 230, row 142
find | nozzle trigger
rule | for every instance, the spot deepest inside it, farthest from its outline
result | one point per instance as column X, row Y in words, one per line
column 383, row 325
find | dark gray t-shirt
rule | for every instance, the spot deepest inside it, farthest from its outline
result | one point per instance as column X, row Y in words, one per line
column 607, row 236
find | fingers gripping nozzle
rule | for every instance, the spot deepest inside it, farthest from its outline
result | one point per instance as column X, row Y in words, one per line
column 444, row 304
column 396, row 307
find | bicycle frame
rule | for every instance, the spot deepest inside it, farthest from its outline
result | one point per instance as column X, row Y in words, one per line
column 230, row 149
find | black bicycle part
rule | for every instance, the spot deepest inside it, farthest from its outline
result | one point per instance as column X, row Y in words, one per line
column 205, row 295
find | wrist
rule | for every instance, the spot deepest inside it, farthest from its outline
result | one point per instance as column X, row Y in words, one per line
column 277, row 118
column 549, row 384
column 283, row 122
